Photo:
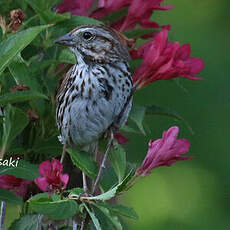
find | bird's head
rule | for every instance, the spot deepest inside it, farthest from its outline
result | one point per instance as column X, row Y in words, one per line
column 96, row 43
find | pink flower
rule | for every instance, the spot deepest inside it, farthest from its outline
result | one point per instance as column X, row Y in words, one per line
column 164, row 152
column 140, row 11
column 164, row 60
column 51, row 176
column 16, row 185
column 105, row 7
column 120, row 138
column 75, row 7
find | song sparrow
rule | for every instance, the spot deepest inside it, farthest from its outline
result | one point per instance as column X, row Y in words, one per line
column 95, row 94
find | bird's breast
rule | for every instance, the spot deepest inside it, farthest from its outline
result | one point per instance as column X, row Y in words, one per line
column 92, row 101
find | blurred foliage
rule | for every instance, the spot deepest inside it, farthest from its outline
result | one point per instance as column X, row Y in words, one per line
column 193, row 195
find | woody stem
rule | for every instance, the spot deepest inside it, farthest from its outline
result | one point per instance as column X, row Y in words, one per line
column 3, row 214
column 102, row 166
column 85, row 188
column 63, row 153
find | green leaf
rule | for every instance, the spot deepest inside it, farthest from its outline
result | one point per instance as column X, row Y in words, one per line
column 51, row 17
column 123, row 185
column 66, row 228
column 111, row 218
column 109, row 179
column 105, row 196
column 36, row 69
column 20, row 96
column 136, row 33
column 15, row 120
column 29, row 22
column 16, row 43
column 22, row 75
column 50, row 146
column 41, row 107
column 93, row 217
column 160, row 110
column 75, row 21
column 67, row 56
column 129, row 129
column 121, row 210
column 117, row 157
column 46, row 5
column 134, row 64
column 43, row 196
column 22, row 4
column 27, row 222
column 137, row 114
column 112, row 192
column 46, row 15
column 83, row 161
column 75, row 191
column 1, row 33
column 23, row 169
column 48, row 206
column 9, row 197
column 55, row 2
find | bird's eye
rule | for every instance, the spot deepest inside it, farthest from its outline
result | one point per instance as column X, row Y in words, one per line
column 87, row 35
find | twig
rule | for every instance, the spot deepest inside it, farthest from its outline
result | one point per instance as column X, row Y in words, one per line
column 3, row 215
column 95, row 158
column 82, row 224
column 2, row 152
column 85, row 188
column 74, row 225
column 39, row 227
column 102, row 166
column 63, row 153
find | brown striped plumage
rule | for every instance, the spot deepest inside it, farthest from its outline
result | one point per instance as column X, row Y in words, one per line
column 95, row 93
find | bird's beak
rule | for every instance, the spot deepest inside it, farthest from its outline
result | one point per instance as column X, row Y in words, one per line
column 66, row 40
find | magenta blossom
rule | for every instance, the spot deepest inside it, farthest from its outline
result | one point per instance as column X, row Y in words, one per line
column 77, row 7
column 139, row 11
column 105, row 7
column 164, row 60
column 120, row 138
column 164, row 152
column 51, row 176
column 16, row 185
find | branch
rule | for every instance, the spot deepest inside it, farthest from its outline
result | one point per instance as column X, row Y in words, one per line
column 2, row 215
column 102, row 166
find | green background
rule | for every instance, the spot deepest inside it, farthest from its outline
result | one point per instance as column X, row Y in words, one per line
column 194, row 194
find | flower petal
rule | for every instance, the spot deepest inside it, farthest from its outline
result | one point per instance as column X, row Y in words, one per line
column 165, row 60
column 45, row 168
column 64, row 179
column 56, row 165
column 164, row 152
column 42, row 183
column 120, row 138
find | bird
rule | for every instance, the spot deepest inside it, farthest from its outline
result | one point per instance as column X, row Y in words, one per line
column 95, row 97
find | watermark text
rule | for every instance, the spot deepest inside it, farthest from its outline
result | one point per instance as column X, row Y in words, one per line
column 9, row 162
